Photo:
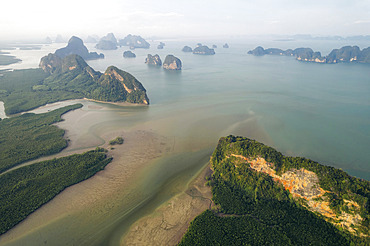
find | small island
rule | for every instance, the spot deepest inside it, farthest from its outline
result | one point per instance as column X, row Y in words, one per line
column 161, row 45
column 214, row 46
column 226, row 46
column 172, row 63
column 128, row 54
column 134, row 41
column 187, row 49
column 203, row 50
column 344, row 54
column 153, row 60
column 108, row 42
column 76, row 46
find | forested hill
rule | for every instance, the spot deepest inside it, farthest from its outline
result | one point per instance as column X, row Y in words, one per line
column 68, row 78
column 265, row 198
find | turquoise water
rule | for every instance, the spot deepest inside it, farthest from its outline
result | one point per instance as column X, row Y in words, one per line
column 319, row 111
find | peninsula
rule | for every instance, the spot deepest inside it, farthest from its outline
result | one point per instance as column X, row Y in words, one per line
column 60, row 79
column 265, row 198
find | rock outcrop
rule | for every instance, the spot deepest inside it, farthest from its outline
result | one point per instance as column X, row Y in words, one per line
column 344, row 54
column 108, row 42
column 134, row 41
column 76, row 46
column 187, row 49
column 172, row 63
column 73, row 74
column 203, row 50
column 153, row 60
column 128, row 54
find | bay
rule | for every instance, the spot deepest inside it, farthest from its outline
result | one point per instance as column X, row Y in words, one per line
column 319, row 111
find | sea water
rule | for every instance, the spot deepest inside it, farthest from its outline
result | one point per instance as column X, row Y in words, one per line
column 319, row 111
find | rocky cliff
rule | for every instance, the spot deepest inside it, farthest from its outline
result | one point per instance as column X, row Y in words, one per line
column 76, row 46
column 73, row 74
column 172, row 63
column 203, row 50
column 153, row 60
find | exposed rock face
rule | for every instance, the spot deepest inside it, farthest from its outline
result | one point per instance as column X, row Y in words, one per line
column 76, row 46
column 225, row 46
column 134, row 42
column 128, row 54
column 344, row 54
column 203, row 50
column 73, row 74
column 187, row 49
column 172, row 63
column 153, row 60
column 51, row 64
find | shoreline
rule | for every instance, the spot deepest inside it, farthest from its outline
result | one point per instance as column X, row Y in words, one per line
column 170, row 221
column 81, row 208
column 126, row 104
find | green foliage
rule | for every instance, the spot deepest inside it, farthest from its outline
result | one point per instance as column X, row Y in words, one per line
column 7, row 60
column 117, row 140
column 30, row 136
column 251, row 203
column 26, row 189
column 71, row 78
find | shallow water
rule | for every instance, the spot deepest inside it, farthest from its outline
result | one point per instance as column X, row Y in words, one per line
column 314, row 110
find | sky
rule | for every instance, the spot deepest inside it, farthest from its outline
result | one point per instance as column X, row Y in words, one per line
column 175, row 18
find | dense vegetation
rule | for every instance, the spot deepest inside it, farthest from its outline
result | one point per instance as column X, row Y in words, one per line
column 18, row 95
column 63, row 79
column 30, row 136
column 252, row 209
column 27, row 188
column 117, row 140
column 7, row 60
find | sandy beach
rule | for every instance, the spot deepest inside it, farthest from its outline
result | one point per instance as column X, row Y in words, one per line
column 169, row 222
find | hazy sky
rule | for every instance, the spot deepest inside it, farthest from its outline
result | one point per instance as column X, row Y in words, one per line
column 31, row 18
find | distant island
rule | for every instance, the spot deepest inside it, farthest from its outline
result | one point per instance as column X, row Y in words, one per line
column 265, row 198
column 134, row 41
column 161, row 45
column 344, row 54
column 172, row 63
column 128, row 54
column 203, row 50
column 187, row 49
column 153, row 60
column 76, row 46
column 108, row 42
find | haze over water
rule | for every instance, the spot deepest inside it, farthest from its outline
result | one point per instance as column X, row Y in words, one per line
column 318, row 111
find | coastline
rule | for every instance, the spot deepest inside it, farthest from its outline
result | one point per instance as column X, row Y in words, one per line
column 117, row 103
column 82, row 208
column 169, row 222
